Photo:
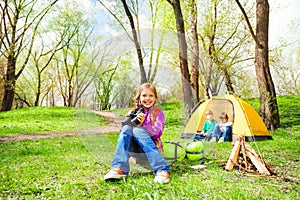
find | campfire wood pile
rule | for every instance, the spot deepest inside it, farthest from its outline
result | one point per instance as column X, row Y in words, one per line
column 246, row 159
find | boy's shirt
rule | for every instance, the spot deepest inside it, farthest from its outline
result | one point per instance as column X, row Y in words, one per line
column 209, row 126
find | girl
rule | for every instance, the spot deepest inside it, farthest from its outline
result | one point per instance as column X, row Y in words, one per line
column 223, row 130
column 147, row 137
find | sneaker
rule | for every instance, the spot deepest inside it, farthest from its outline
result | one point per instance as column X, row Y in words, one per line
column 114, row 174
column 221, row 140
column 162, row 177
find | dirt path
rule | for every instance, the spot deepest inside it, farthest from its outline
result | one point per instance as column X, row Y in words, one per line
column 113, row 126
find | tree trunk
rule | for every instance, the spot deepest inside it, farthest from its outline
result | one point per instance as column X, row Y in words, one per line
column 228, row 81
column 70, row 93
column 136, row 43
column 268, row 102
column 38, row 93
column 195, row 51
column 189, row 99
column 9, row 85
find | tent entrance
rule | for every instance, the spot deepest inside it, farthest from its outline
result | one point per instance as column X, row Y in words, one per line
column 246, row 121
column 217, row 106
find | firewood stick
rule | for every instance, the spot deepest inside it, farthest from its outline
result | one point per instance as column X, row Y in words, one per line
column 233, row 156
column 256, row 160
column 244, row 154
column 259, row 154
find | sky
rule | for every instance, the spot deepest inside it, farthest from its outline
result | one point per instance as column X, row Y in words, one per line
column 281, row 18
column 282, row 12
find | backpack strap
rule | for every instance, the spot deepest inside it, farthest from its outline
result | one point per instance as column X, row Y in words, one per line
column 155, row 113
column 176, row 144
column 153, row 116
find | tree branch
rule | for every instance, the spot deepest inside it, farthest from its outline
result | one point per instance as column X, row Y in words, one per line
column 248, row 22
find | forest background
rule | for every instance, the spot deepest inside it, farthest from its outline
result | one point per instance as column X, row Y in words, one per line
column 83, row 53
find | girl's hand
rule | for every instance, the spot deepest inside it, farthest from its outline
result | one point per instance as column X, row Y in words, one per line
column 141, row 118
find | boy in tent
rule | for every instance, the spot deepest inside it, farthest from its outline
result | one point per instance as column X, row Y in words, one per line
column 223, row 130
column 208, row 127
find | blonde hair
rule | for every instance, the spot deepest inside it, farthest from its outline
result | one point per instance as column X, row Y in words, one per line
column 139, row 91
column 208, row 112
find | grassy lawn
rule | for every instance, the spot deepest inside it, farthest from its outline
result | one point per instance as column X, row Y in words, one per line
column 47, row 119
column 73, row 167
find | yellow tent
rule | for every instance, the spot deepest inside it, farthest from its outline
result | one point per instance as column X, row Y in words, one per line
column 246, row 121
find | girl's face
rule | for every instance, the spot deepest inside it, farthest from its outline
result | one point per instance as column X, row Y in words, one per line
column 147, row 98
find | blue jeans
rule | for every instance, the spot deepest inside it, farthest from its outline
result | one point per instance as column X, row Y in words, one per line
column 227, row 135
column 138, row 134
column 202, row 137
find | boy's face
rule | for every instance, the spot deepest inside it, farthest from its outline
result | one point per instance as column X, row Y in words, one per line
column 209, row 116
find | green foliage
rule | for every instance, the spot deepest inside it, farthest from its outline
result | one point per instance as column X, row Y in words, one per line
column 36, row 120
column 74, row 167
column 174, row 114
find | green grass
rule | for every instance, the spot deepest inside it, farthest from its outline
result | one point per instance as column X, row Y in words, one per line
column 41, row 120
column 289, row 108
column 73, row 167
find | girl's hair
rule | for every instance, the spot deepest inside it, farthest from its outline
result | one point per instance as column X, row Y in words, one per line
column 139, row 91
column 224, row 115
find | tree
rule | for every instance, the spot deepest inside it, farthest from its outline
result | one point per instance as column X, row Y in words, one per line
column 195, row 49
column 41, row 65
column 131, row 9
column 19, row 25
column 224, row 44
column 104, row 86
column 136, row 42
column 268, row 102
column 158, row 14
column 91, row 68
column 189, row 98
column 75, row 32
column 285, row 61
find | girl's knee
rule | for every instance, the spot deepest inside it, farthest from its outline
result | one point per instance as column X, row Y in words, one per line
column 140, row 132
column 126, row 129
